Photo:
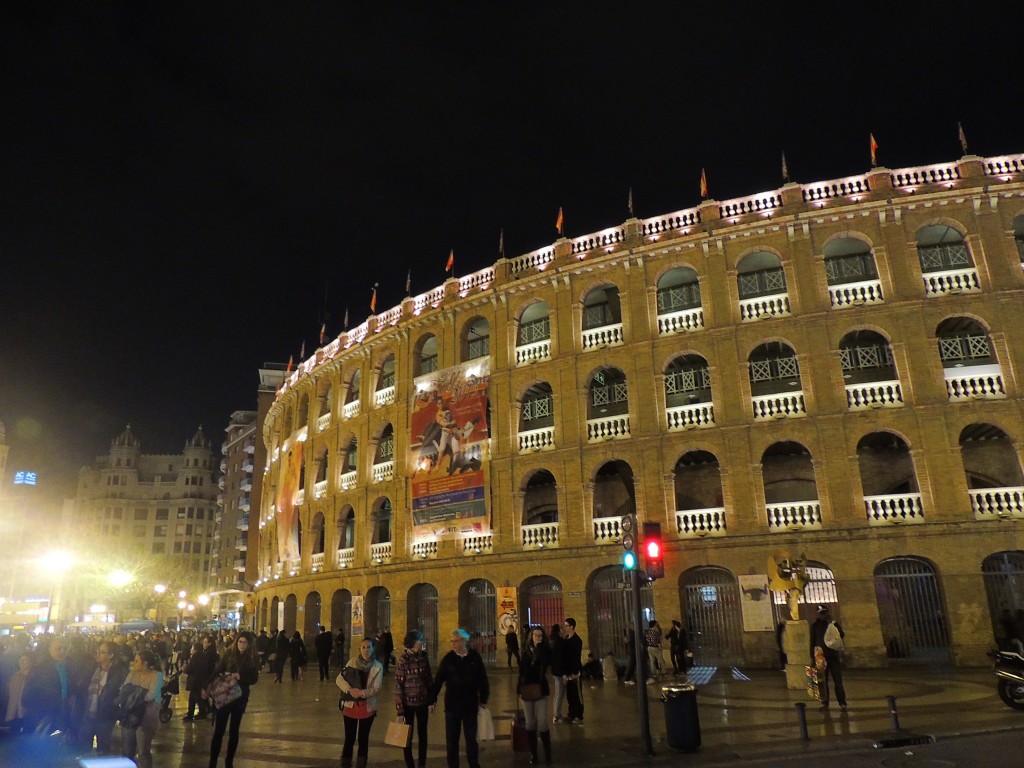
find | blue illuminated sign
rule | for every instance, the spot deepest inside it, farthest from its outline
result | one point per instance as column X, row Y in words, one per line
column 24, row 478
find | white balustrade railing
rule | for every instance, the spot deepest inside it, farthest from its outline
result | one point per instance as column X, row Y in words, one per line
column 425, row 549
column 533, row 353
column 894, row 508
column 605, row 336
column 278, row 568
column 761, row 307
column 697, row 523
column 535, row 259
column 994, row 503
column 320, row 489
column 856, row 294
column 608, row 428
column 480, row 279
column 690, row 416
column 607, row 530
column 794, row 515
column 348, row 410
column 347, row 480
column 681, row 321
column 951, row 281
column 346, row 557
column 294, row 566
column 316, row 561
column 779, row 406
column 537, row 439
column 383, row 471
column 323, row 422
column 978, row 382
column 478, row 544
column 384, row 396
column 540, row 535
column 874, row 394
column 300, row 497
column 380, row 553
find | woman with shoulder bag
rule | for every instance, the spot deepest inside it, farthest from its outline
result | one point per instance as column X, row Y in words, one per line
column 412, row 692
column 360, row 683
column 138, row 729
column 241, row 664
column 532, row 688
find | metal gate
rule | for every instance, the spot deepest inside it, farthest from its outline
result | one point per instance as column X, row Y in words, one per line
column 1004, row 585
column 540, row 601
column 820, row 590
column 311, row 617
column 911, row 611
column 711, row 613
column 377, row 613
column 274, row 624
column 341, row 618
column 422, row 615
column 291, row 610
column 610, row 612
column 478, row 615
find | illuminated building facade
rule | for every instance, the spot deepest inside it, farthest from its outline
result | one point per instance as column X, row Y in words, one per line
column 825, row 369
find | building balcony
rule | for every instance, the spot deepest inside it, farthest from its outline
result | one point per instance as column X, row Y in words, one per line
column 238, row 563
column 698, row 523
column 294, row 566
column 347, row 480
column 794, row 516
column 385, row 396
column 478, row 545
column 246, row 485
column 855, row 294
column 425, row 549
column 997, row 503
column 316, row 561
column 278, row 569
column 533, row 353
column 320, row 489
column 608, row 428
column 690, row 416
column 894, row 508
column 380, row 554
column 763, row 307
column 243, row 523
column 250, row 447
column 680, row 322
column 605, row 336
column 782, row 405
column 350, row 410
column 383, row 471
column 345, row 557
column 874, row 394
column 607, row 530
column 324, row 422
column 976, row 382
column 220, row 482
column 300, row 497
column 244, row 503
column 247, row 466
column 540, row 536
column 220, row 499
column 951, row 282
column 537, row 439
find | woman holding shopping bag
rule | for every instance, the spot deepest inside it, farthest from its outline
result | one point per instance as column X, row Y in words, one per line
column 532, row 688
column 412, row 693
column 360, row 682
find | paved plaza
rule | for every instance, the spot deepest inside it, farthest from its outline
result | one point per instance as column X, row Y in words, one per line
column 746, row 718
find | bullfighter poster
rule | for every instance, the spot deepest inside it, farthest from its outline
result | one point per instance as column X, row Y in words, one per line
column 287, row 514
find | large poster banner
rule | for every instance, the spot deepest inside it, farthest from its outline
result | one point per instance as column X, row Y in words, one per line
column 357, row 618
column 756, row 603
column 287, row 514
column 508, row 610
column 449, row 451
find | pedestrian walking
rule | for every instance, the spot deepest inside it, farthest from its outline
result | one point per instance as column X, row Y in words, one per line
column 533, row 690
column 339, row 648
column 323, row 645
column 512, row 645
column 572, row 666
column 360, row 683
column 828, row 636
column 242, row 663
column 412, row 693
column 655, row 658
column 463, row 676
column 282, row 649
column 297, row 655
column 557, row 673
column 262, row 647
column 677, row 642
column 137, row 739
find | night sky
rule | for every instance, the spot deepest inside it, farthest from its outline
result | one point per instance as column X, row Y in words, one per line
column 190, row 189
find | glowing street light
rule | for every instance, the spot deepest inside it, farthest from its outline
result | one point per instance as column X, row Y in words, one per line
column 55, row 563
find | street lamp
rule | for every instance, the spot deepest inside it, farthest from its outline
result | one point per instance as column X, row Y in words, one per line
column 160, row 590
column 181, row 611
column 119, row 579
column 56, row 562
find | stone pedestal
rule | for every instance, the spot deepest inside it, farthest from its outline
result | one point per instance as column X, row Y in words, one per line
column 795, row 642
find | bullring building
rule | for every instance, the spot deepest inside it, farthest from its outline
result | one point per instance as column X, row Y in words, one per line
column 826, row 370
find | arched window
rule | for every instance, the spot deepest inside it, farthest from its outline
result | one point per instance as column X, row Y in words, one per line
column 425, row 355
column 912, row 611
column 946, row 262
column 851, row 273
column 533, row 337
column 540, row 511
column 607, row 406
column 790, row 490
column 761, row 281
column 385, row 392
column 602, row 318
column 775, row 385
column 698, row 495
column 476, row 339
column 994, row 479
column 537, row 418
column 679, row 305
column 688, row 393
column 969, row 364
column 869, row 371
column 891, row 493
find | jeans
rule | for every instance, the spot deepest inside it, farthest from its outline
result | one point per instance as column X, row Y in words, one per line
column 232, row 712
column 537, row 715
column 572, row 693
column 465, row 722
column 558, row 696
column 140, row 740
column 357, row 728
column 834, row 670
column 417, row 716
column 325, row 667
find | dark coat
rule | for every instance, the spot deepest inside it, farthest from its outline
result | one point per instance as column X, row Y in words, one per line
column 106, row 705
column 572, row 655
column 818, row 639
column 324, row 643
column 464, row 679
column 533, row 668
column 297, row 651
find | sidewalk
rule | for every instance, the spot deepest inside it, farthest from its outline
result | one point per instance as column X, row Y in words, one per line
column 745, row 718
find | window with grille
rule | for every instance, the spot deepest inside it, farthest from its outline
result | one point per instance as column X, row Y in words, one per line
column 387, row 380
column 959, row 348
column 774, row 369
column 1019, row 240
column 678, row 298
column 538, row 408
column 598, row 316
column 613, row 393
column 479, row 347
column 942, row 257
column 534, row 331
column 872, row 356
column 687, row 382
column 386, row 452
column 764, row 282
column 850, row 269
column 428, row 364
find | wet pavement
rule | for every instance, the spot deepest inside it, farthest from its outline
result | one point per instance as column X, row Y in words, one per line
column 746, row 718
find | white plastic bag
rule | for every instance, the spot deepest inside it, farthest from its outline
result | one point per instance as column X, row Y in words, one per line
column 484, row 725
column 832, row 637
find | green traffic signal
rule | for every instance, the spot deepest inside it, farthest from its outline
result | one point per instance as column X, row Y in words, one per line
column 629, row 560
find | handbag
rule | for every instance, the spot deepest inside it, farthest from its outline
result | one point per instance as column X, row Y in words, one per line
column 531, row 692
column 399, row 734
column 223, row 690
column 484, row 725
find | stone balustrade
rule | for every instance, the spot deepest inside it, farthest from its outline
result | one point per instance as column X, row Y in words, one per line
column 794, row 516
column 533, row 353
column 383, row 471
column 762, row 307
column 996, row 503
column 608, row 428
column 540, row 536
column 856, row 294
column 874, row 394
column 607, row 530
column 698, row 523
column 384, row 396
column 605, row 336
column 537, row 439
column 380, row 553
column 951, row 281
column 690, row 416
column 680, row 322
column 346, row 557
column 894, row 508
column 781, row 405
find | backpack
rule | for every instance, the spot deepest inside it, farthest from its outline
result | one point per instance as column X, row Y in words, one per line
column 833, row 639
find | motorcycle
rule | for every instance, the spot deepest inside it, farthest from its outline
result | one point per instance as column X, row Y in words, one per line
column 1009, row 668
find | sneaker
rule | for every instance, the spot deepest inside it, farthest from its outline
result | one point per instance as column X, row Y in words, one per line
column 188, row 718
column 842, row 707
column 578, row 721
column 629, row 682
column 556, row 719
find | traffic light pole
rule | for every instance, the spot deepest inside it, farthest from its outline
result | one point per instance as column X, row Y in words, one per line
column 639, row 650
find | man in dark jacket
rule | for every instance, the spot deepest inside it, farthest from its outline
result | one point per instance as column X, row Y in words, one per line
column 46, row 689
column 323, row 644
column 99, row 706
column 339, row 648
column 262, row 647
column 282, row 648
column 512, row 645
column 833, row 658
column 464, row 678
column 572, row 666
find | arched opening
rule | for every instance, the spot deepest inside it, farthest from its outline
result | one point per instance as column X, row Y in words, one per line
column 302, row 412
column 341, row 618
column 476, row 339
column 321, row 472
column 540, row 500
column 261, row 622
column 478, row 611
column 385, row 392
column 346, row 528
column 710, row 602
column 275, row 613
column 326, row 401
column 994, row 480
column 533, row 336
column 790, row 490
column 319, row 533
column 607, row 405
column 614, row 491
column 869, row 371
column 540, row 602
column 610, row 612
column 891, row 493
column 1003, row 573
column 385, row 452
column 911, row 610
column 377, row 613
column 969, row 364
column 761, row 282
column 311, row 619
column 940, row 248
column 775, row 387
column 688, row 393
column 425, row 355
column 851, row 273
column 819, row 590
column 291, row 612
column 421, row 614
column 351, row 405
column 602, row 307
column 382, row 521
column 697, row 481
column 537, row 418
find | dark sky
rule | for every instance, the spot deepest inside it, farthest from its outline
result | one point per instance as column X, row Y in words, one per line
column 183, row 183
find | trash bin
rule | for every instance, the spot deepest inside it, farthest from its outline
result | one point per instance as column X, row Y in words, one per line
column 682, row 723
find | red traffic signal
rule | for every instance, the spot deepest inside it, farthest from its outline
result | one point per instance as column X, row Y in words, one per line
column 654, row 551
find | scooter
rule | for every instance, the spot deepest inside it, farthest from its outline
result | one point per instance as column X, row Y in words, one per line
column 1009, row 668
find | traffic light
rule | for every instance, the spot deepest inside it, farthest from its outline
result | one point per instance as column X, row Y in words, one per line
column 628, row 526
column 654, row 551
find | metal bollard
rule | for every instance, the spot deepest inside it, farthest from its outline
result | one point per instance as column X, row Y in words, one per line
column 801, row 714
column 894, row 716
